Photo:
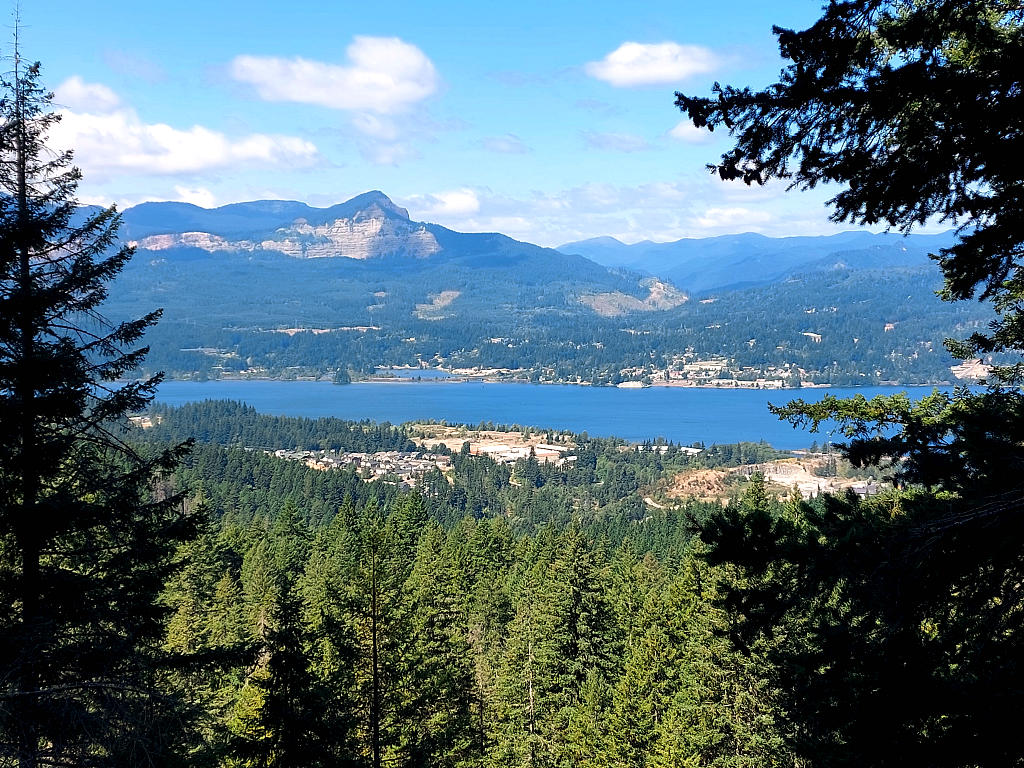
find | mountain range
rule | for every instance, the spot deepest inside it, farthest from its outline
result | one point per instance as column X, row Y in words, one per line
column 369, row 238
column 370, row 225
column 281, row 288
column 735, row 261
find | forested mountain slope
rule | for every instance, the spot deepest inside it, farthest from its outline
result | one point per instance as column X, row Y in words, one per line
column 276, row 288
column 732, row 261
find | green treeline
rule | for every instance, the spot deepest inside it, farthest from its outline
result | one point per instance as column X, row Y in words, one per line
column 221, row 311
column 231, row 466
column 232, row 423
column 501, row 615
column 384, row 637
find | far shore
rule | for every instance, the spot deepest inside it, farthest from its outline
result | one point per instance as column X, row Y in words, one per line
column 466, row 379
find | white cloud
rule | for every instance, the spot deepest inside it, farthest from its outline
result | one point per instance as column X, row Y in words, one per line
column 655, row 210
column 76, row 94
column 696, row 206
column 733, row 219
column 384, row 75
column 637, row 64
column 111, row 138
column 453, row 203
column 200, row 196
column 121, row 201
column 686, row 132
column 616, row 142
column 509, row 144
column 196, row 195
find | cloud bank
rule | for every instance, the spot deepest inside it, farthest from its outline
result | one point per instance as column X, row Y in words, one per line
column 383, row 75
column 109, row 137
column 639, row 64
column 700, row 206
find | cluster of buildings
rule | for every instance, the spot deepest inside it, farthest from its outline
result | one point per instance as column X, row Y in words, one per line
column 795, row 474
column 718, row 372
column 972, row 370
column 663, row 449
column 510, row 454
column 405, row 467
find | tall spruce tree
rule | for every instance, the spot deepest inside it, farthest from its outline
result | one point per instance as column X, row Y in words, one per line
column 85, row 538
column 381, row 630
column 897, row 622
column 286, row 714
column 438, row 705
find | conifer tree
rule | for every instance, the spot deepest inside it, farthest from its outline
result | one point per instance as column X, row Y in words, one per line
column 190, row 591
column 897, row 621
column 330, row 608
column 523, row 681
column 286, row 715
column 381, row 629
column 650, row 678
column 84, row 536
column 489, row 613
column 717, row 711
column 437, row 712
column 226, row 620
column 561, row 645
column 285, row 718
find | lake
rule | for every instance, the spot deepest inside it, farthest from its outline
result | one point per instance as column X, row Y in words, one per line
column 683, row 415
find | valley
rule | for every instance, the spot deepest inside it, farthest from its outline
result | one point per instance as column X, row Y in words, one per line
column 280, row 486
column 280, row 290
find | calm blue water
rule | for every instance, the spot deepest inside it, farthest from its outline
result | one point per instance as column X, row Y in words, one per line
column 416, row 373
column 682, row 415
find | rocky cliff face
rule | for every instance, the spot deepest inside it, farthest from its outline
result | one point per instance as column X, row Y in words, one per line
column 374, row 231
column 357, row 238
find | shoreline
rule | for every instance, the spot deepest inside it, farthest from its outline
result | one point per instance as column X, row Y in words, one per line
column 464, row 379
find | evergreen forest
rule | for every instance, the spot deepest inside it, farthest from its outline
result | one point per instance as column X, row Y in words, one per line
column 224, row 312
column 523, row 616
column 189, row 587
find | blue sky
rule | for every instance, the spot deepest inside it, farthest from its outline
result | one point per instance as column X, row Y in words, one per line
column 548, row 121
